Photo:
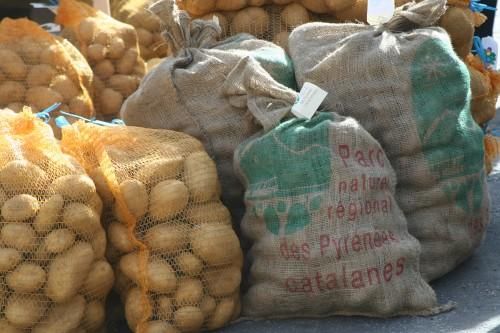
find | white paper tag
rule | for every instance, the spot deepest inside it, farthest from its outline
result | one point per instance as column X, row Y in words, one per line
column 309, row 100
column 380, row 11
column 490, row 47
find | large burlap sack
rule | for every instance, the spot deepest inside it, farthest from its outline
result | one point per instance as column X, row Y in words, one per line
column 38, row 70
column 327, row 234
column 111, row 49
column 55, row 277
column 190, row 92
column 178, row 259
column 412, row 93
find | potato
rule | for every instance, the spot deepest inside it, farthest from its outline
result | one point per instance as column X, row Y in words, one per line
column 201, row 177
column 31, row 50
column 158, row 326
column 484, row 109
column 223, row 21
column 135, row 309
column 26, row 278
column 338, row 5
column 281, row 39
column 3, row 197
column 136, row 197
column 126, row 64
column 81, row 218
column 116, row 48
column 99, row 243
column 58, row 241
column 358, row 12
column 230, row 5
column 160, row 170
column 216, row 244
column 189, row 264
column 251, row 20
column 43, row 97
column 315, row 6
column 104, row 69
column 40, row 75
column 189, row 292
column 189, row 319
column 95, row 203
column 222, row 314
column 124, row 84
column 199, row 7
column 5, row 327
column 294, row 15
column 24, row 311
column 17, row 107
column 53, row 56
column 259, row 3
column 103, row 37
column 119, row 238
column 16, row 174
column 96, row 52
column 19, row 236
column 208, row 306
column 237, row 307
column 168, row 198
column 64, row 86
column 20, row 208
column 222, row 281
column 460, row 29
column 164, row 308
column 95, row 315
column 9, row 259
column 282, row 2
column 110, row 101
column 12, row 65
column 68, row 272
column 145, row 37
column 11, row 92
column 87, row 29
column 80, row 105
column 166, row 238
column 65, row 317
column 99, row 280
column 49, row 214
column 480, row 83
column 101, row 185
column 161, row 276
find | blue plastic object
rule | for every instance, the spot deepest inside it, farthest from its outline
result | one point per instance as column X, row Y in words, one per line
column 477, row 6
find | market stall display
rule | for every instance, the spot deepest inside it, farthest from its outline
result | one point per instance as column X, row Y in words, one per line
column 408, row 88
column 110, row 47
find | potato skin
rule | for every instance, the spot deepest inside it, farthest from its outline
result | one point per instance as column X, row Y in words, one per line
column 223, row 313
column 68, row 272
column 19, row 236
column 74, row 187
column 20, row 208
column 65, row 86
column 11, row 92
column 118, row 237
column 5, row 327
column 136, row 197
column 12, row 65
column 294, row 15
column 40, row 75
column 189, row 319
column 95, row 315
column 58, row 241
column 9, row 259
column 49, row 214
column 208, row 306
column 251, row 20
column 189, row 292
column 167, row 199
column 159, row 326
column 43, row 97
column 134, row 310
column 189, row 264
column 110, row 101
column 81, row 218
column 201, row 177
column 166, row 238
column 24, row 312
column 100, row 279
column 64, row 317
column 205, row 235
column 160, row 170
column 26, row 278
column 223, row 281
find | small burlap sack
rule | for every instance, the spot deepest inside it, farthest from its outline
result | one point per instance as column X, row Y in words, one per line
column 111, row 49
column 328, row 236
column 54, row 274
column 38, row 70
column 190, row 92
column 179, row 260
column 412, row 93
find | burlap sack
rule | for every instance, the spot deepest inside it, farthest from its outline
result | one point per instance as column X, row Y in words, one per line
column 190, row 92
column 328, row 236
column 412, row 93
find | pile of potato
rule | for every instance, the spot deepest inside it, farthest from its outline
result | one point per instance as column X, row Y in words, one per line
column 38, row 70
column 112, row 50
column 53, row 273
column 147, row 25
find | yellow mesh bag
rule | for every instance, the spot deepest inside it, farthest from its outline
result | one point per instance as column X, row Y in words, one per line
column 38, row 70
column 53, row 273
column 178, row 259
column 110, row 47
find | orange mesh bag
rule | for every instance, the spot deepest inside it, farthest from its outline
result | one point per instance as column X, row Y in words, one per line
column 147, row 25
column 491, row 150
column 53, row 273
column 110, row 47
column 38, row 70
column 485, row 87
column 179, row 260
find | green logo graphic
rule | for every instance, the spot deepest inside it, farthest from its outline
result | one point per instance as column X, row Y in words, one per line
column 285, row 169
column 451, row 141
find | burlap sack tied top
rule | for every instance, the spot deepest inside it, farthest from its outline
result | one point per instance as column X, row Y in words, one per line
column 190, row 92
column 407, row 87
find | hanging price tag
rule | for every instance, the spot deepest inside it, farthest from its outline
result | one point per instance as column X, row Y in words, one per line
column 490, row 48
column 309, row 100
column 380, row 11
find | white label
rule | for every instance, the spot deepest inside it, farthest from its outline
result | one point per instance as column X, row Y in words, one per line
column 380, row 11
column 490, row 47
column 309, row 100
